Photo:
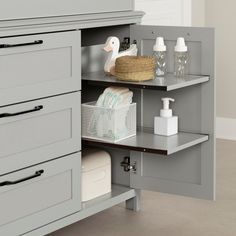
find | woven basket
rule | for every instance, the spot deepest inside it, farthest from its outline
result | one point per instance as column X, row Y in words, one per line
column 132, row 68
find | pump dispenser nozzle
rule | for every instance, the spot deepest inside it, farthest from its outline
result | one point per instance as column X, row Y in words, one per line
column 166, row 111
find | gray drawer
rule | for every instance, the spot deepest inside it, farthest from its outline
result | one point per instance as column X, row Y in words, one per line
column 38, row 131
column 39, row 195
column 11, row 9
column 38, row 66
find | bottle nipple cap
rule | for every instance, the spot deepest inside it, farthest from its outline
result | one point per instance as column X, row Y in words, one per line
column 159, row 45
column 180, row 45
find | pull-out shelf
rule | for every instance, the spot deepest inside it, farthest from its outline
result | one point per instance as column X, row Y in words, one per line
column 167, row 83
column 151, row 143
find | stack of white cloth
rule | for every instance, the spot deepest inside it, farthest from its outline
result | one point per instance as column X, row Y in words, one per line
column 110, row 120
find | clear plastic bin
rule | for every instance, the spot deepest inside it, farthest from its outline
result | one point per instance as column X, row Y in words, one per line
column 108, row 124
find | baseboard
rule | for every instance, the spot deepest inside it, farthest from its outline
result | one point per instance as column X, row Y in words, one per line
column 225, row 128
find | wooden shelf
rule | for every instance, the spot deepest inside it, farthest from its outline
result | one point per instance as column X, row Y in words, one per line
column 151, row 143
column 167, row 83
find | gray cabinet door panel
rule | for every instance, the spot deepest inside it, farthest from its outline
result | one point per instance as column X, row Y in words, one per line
column 200, row 42
column 38, row 136
column 190, row 172
column 11, row 9
column 38, row 201
column 49, row 67
column 185, row 173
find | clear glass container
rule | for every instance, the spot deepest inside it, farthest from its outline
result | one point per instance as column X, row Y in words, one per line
column 161, row 63
column 181, row 64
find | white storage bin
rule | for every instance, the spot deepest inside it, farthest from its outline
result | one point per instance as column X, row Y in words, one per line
column 108, row 124
column 96, row 173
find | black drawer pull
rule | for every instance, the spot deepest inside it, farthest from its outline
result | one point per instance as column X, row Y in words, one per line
column 37, row 174
column 37, row 108
column 37, row 42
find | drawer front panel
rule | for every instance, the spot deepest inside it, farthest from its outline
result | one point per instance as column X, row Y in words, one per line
column 31, row 136
column 39, row 200
column 44, row 8
column 37, row 66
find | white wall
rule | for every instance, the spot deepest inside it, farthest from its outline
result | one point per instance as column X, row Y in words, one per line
column 222, row 16
column 198, row 13
column 165, row 12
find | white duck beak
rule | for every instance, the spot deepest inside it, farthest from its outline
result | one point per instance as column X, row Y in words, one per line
column 108, row 48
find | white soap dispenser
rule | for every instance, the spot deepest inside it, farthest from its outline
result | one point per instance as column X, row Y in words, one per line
column 166, row 124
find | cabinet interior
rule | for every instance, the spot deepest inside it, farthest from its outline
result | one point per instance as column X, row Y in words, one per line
column 93, row 60
column 190, row 106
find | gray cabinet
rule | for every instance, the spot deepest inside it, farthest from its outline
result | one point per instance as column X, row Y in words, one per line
column 42, row 63
column 40, row 128
column 11, row 9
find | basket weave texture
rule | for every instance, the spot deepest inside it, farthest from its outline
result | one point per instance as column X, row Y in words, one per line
column 135, row 68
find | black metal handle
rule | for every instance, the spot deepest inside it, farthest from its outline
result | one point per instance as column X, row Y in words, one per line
column 37, row 42
column 37, row 108
column 36, row 175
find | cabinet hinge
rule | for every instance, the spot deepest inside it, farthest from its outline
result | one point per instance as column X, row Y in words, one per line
column 127, row 166
column 125, row 44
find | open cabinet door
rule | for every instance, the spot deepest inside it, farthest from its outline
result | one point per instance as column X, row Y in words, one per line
column 189, row 172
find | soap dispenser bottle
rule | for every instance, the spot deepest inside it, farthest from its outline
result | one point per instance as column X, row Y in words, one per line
column 166, row 124
column 159, row 53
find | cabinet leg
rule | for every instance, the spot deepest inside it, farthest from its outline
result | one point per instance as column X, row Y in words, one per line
column 134, row 203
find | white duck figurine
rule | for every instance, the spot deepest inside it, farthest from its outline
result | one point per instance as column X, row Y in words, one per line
column 112, row 46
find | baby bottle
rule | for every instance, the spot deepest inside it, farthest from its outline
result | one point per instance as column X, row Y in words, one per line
column 159, row 52
column 181, row 58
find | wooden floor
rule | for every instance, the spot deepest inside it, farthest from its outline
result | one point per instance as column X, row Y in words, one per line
column 168, row 215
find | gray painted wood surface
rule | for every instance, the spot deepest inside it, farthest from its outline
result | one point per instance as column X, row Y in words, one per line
column 118, row 175
column 188, row 172
column 119, row 194
column 36, row 202
column 134, row 203
column 195, row 107
column 151, row 143
column 200, row 42
column 36, row 71
column 65, row 23
column 58, row 105
column 11, row 9
column 167, row 83
column 39, row 136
